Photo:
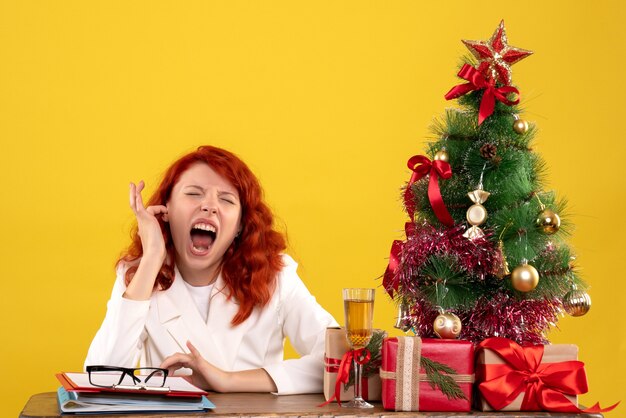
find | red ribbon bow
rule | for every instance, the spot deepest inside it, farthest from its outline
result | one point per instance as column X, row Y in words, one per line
column 421, row 165
column 390, row 283
column 360, row 356
column 544, row 385
column 478, row 82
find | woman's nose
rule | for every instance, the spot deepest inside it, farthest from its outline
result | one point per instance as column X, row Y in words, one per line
column 208, row 206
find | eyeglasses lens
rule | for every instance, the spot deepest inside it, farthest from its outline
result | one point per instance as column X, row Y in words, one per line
column 110, row 378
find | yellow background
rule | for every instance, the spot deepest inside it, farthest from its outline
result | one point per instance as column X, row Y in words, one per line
column 325, row 100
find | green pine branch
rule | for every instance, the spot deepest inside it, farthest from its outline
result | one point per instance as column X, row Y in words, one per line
column 440, row 376
column 444, row 284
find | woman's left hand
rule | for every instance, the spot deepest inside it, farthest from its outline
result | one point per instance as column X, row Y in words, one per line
column 204, row 375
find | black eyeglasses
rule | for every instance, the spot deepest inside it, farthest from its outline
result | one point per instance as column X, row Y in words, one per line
column 151, row 378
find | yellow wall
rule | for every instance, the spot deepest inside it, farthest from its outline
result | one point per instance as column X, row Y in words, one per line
column 325, row 100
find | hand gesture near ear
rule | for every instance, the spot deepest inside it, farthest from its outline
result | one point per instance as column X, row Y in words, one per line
column 147, row 222
column 152, row 243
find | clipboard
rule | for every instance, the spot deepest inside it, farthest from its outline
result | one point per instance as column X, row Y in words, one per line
column 178, row 387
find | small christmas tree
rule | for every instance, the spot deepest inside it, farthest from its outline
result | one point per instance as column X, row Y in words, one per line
column 484, row 253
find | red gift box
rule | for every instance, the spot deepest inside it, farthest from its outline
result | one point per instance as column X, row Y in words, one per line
column 407, row 386
column 531, row 378
column 490, row 365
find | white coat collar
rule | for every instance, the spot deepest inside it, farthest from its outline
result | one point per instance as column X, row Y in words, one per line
column 217, row 340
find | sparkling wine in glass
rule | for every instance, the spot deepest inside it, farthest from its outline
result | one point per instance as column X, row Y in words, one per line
column 359, row 310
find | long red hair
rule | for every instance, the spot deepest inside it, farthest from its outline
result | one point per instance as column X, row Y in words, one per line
column 251, row 264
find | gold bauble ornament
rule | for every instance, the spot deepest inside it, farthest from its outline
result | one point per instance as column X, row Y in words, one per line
column 576, row 302
column 442, row 155
column 447, row 325
column 548, row 221
column 524, row 277
column 520, row 126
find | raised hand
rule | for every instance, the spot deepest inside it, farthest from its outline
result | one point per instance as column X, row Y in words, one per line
column 148, row 224
column 152, row 243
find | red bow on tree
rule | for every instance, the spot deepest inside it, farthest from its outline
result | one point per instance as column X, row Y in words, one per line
column 544, row 385
column 477, row 81
column 390, row 280
column 421, row 165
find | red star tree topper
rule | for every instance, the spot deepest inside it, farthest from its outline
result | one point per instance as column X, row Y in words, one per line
column 496, row 56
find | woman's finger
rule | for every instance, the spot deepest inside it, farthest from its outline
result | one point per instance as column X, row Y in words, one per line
column 138, row 198
column 171, row 369
column 156, row 210
column 136, row 201
column 176, row 361
column 193, row 350
column 133, row 200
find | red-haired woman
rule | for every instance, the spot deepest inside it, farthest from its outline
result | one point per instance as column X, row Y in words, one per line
column 204, row 286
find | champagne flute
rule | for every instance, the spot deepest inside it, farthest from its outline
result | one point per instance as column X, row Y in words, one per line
column 359, row 310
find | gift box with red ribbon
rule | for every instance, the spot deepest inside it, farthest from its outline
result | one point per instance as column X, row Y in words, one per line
column 531, row 378
column 336, row 349
column 427, row 374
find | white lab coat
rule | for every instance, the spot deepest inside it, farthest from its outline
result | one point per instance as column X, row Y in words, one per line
column 146, row 332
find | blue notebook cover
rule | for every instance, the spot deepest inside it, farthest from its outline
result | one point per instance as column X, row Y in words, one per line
column 90, row 403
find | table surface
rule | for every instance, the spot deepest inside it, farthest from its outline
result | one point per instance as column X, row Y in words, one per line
column 257, row 405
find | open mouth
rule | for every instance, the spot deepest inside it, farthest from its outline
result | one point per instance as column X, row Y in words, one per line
column 202, row 237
